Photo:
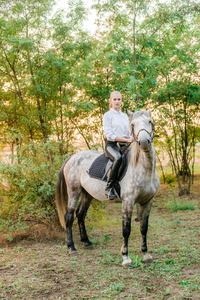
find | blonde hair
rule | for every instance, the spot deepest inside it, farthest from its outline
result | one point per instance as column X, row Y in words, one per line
column 111, row 95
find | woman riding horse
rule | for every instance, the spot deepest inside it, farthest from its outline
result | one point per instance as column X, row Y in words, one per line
column 138, row 186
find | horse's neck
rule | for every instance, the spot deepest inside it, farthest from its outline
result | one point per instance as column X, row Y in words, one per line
column 139, row 158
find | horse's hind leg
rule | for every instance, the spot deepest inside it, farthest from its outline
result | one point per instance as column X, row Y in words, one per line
column 69, row 218
column 144, row 217
column 81, row 212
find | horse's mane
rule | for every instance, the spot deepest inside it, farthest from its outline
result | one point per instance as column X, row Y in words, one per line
column 134, row 154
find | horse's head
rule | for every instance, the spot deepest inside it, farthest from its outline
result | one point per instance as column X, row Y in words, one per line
column 142, row 128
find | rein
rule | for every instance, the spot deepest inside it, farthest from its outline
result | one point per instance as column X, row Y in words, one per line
column 122, row 147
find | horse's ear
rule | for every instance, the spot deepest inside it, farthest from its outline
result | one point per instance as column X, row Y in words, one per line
column 129, row 113
column 149, row 113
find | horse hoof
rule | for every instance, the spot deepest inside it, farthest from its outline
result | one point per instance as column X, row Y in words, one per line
column 126, row 261
column 89, row 247
column 148, row 259
column 73, row 252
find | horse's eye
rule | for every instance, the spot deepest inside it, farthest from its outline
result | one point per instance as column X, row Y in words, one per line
column 150, row 122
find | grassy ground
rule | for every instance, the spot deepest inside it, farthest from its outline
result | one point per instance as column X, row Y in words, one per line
column 37, row 266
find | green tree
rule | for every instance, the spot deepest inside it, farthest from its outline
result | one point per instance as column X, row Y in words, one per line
column 178, row 92
column 23, row 28
column 39, row 63
column 127, row 43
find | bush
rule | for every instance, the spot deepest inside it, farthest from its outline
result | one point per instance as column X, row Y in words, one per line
column 170, row 179
column 29, row 189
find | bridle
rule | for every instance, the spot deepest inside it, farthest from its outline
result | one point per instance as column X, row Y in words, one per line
column 151, row 134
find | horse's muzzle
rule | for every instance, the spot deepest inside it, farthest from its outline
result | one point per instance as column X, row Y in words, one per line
column 144, row 142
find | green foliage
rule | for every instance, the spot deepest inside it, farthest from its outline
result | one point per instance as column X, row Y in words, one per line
column 169, row 178
column 29, row 186
column 40, row 84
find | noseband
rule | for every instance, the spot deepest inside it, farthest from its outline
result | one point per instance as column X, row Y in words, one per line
column 151, row 135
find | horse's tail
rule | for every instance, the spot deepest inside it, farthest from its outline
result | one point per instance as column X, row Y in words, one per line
column 61, row 195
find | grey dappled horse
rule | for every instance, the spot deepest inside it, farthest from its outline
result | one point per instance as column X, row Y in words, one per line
column 139, row 185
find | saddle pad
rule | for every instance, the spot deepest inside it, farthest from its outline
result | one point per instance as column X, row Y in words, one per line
column 98, row 167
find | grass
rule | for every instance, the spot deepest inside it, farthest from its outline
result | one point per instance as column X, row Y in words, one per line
column 176, row 203
column 42, row 269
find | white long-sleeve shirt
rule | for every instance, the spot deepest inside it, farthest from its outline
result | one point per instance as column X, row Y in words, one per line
column 116, row 123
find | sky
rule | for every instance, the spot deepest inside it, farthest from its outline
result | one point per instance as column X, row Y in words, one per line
column 89, row 24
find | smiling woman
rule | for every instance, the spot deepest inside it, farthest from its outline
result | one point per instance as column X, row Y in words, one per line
column 115, row 100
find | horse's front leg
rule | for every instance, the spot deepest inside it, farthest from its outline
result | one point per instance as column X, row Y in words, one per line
column 126, row 230
column 144, row 218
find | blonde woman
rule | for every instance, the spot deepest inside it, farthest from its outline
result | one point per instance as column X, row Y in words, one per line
column 117, row 129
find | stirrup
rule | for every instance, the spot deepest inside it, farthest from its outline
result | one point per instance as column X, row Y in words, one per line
column 110, row 194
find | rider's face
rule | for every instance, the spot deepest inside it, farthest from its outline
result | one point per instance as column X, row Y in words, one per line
column 116, row 100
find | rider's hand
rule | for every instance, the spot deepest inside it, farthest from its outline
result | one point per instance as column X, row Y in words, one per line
column 130, row 140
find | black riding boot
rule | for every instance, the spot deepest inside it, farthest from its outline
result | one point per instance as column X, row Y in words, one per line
column 111, row 180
